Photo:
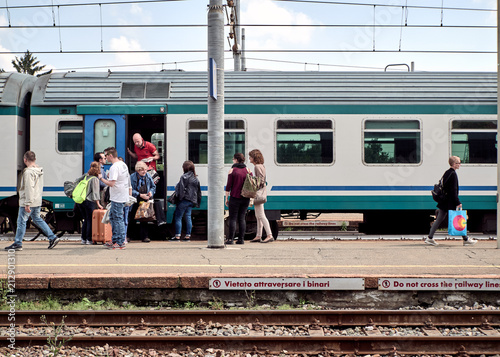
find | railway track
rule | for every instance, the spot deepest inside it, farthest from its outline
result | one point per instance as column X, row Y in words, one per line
column 308, row 332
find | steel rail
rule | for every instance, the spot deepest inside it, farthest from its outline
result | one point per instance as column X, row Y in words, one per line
column 334, row 318
column 294, row 344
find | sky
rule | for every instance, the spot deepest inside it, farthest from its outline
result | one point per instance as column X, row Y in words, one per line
column 188, row 43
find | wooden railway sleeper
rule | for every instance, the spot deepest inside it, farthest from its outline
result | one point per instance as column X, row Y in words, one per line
column 487, row 329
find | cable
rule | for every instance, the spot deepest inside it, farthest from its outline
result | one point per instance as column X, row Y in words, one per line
column 91, row 4
column 258, row 51
column 386, row 5
column 299, row 1
column 251, row 25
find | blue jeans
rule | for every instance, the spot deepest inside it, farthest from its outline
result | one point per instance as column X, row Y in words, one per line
column 22, row 218
column 126, row 213
column 117, row 223
column 183, row 209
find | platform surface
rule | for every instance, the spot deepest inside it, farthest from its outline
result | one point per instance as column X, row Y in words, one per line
column 167, row 262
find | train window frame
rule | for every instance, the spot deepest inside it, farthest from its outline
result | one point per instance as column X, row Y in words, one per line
column 330, row 129
column 202, row 124
column 455, row 130
column 418, row 130
column 60, row 131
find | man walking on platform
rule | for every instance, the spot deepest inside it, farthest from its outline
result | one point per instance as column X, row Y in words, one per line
column 118, row 182
column 30, row 202
column 451, row 201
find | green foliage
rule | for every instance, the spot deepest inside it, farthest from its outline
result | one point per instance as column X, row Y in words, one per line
column 251, row 299
column 374, row 153
column 344, row 226
column 4, row 292
column 55, row 341
column 217, row 304
column 29, row 65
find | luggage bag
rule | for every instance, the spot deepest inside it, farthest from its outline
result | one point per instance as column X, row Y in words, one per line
column 101, row 233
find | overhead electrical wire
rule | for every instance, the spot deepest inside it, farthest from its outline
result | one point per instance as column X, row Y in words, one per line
column 251, row 25
column 298, row 1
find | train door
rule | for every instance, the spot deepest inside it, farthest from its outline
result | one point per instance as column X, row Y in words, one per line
column 101, row 132
column 152, row 129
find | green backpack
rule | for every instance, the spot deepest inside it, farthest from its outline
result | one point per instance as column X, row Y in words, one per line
column 80, row 191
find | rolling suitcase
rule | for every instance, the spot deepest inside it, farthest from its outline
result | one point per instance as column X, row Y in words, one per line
column 101, row 233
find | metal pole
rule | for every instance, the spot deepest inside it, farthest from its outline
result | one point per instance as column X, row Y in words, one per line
column 243, row 58
column 216, row 128
column 237, row 37
column 498, row 121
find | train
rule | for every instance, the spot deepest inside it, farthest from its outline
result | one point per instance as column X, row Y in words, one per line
column 373, row 143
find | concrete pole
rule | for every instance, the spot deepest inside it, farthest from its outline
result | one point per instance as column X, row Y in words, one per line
column 237, row 37
column 498, row 122
column 215, row 108
column 243, row 58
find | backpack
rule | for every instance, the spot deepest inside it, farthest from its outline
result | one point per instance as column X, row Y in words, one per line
column 438, row 193
column 80, row 192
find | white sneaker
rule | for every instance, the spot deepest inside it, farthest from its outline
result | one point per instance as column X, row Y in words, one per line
column 431, row 241
column 470, row 241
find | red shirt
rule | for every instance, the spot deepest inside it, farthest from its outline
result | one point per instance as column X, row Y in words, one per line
column 146, row 151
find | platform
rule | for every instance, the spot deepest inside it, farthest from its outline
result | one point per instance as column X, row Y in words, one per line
column 191, row 264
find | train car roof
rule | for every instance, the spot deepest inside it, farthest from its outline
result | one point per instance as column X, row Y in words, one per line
column 14, row 87
column 261, row 88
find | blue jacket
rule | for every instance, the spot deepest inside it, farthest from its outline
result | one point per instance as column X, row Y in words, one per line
column 134, row 181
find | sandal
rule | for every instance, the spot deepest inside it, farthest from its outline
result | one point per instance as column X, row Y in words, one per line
column 256, row 240
column 175, row 239
column 186, row 239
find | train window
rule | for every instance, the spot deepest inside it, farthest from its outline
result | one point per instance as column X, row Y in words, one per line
column 70, row 136
column 392, row 142
column 474, row 141
column 234, row 140
column 304, row 142
column 133, row 90
column 104, row 134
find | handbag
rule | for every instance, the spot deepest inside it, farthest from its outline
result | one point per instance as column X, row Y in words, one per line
column 457, row 223
column 145, row 211
column 173, row 199
column 251, row 185
column 261, row 196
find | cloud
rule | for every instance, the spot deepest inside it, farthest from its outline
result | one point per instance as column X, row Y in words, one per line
column 268, row 12
column 123, row 43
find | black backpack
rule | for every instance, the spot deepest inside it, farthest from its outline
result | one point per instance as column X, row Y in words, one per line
column 438, row 193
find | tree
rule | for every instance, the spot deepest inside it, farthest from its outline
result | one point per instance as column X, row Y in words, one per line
column 28, row 64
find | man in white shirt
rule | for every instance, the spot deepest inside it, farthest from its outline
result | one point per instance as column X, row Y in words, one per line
column 118, row 182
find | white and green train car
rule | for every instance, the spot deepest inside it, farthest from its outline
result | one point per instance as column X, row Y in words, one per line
column 15, row 96
column 372, row 143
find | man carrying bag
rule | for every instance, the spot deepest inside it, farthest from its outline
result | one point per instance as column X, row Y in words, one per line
column 449, row 202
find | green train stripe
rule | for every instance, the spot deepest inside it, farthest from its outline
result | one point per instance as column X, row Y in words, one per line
column 338, row 203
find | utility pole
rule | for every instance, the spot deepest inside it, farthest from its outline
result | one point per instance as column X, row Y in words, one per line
column 243, row 58
column 234, row 32
column 215, row 125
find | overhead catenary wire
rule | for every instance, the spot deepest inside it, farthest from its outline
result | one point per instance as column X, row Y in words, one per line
column 260, row 51
column 297, row 1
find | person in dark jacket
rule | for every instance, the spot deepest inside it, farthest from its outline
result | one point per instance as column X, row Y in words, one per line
column 451, row 201
column 238, row 205
column 188, row 192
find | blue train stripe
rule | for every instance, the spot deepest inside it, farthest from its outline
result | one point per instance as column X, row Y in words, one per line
column 375, row 188
column 310, row 188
